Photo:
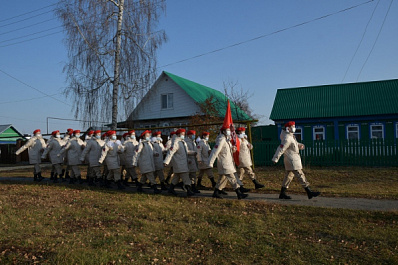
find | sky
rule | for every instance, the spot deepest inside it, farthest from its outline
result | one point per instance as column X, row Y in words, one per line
column 304, row 43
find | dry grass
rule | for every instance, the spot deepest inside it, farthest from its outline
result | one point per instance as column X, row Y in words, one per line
column 58, row 224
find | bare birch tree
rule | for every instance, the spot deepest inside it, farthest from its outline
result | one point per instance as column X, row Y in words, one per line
column 112, row 48
column 240, row 97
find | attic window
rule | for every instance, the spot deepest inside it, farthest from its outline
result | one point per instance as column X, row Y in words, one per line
column 167, row 101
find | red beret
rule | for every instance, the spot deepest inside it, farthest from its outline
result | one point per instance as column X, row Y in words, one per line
column 172, row 133
column 76, row 131
column 224, row 127
column 97, row 131
column 103, row 136
column 131, row 132
column 145, row 132
column 36, row 131
column 157, row 133
column 90, row 133
column 190, row 132
column 111, row 132
column 205, row 133
column 54, row 133
column 108, row 133
column 241, row 129
column 69, row 130
column 180, row 131
column 125, row 134
column 290, row 124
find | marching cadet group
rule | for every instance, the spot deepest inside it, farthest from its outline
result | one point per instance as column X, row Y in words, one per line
column 111, row 160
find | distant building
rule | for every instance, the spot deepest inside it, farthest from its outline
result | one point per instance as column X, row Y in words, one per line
column 367, row 110
column 8, row 142
column 173, row 100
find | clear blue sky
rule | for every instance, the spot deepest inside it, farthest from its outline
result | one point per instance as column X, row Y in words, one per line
column 313, row 54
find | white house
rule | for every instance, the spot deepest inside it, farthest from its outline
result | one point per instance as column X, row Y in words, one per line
column 172, row 100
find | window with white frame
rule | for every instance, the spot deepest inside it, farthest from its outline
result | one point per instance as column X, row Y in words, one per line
column 167, row 101
column 376, row 131
column 353, row 132
column 299, row 133
column 319, row 133
column 396, row 130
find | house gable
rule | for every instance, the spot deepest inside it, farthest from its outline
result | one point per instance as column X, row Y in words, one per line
column 150, row 106
column 8, row 134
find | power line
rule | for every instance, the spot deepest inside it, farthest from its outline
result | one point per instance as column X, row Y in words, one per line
column 28, row 99
column 31, row 39
column 374, row 44
column 267, row 35
column 360, row 42
column 35, row 33
column 12, row 23
column 32, row 25
column 38, row 90
column 27, row 13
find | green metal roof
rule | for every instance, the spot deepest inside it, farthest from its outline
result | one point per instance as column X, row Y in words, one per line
column 199, row 93
column 352, row 99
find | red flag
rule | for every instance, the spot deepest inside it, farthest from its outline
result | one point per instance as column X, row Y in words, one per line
column 228, row 123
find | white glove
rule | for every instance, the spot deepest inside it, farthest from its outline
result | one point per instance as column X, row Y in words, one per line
column 110, row 144
column 118, row 142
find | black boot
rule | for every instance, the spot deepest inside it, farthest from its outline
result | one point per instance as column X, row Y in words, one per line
column 39, row 177
column 139, row 186
column 55, row 178
column 107, row 184
column 189, row 190
column 35, row 177
column 240, row 194
column 71, row 180
column 283, row 195
column 217, row 194
column 79, row 178
column 213, row 182
column 163, row 186
column 91, row 182
column 171, row 190
column 311, row 193
column 126, row 182
column 120, row 186
column 67, row 175
column 194, row 189
column 52, row 175
column 155, row 189
column 223, row 192
column 243, row 189
column 135, row 181
column 199, row 184
column 257, row 185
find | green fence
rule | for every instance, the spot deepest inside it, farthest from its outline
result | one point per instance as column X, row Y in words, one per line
column 374, row 152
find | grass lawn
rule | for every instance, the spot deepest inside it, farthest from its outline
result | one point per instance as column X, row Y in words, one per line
column 59, row 224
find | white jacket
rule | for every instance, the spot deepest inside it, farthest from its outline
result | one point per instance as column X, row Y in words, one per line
column 53, row 149
column 290, row 149
column 159, row 149
column 129, row 146
column 192, row 163
column 144, row 157
column 203, row 149
column 93, row 151
column 178, row 156
column 245, row 158
column 73, row 149
column 35, row 146
column 223, row 152
column 110, row 153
